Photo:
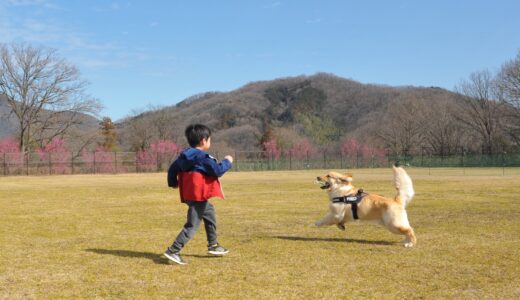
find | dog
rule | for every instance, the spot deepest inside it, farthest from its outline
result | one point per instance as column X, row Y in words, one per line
column 389, row 212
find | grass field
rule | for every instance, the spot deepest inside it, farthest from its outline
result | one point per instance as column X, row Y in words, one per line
column 102, row 236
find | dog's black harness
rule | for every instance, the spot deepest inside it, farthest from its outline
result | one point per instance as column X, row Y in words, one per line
column 353, row 200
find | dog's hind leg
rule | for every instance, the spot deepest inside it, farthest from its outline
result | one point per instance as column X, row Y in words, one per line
column 399, row 224
column 409, row 234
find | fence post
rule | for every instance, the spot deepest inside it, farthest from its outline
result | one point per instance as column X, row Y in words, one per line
column 236, row 159
column 503, row 164
column 27, row 162
column 324, row 159
column 71, row 162
column 94, row 161
column 136, row 163
column 5, row 166
column 115, row 162
column 50, row 164
column 340, row 159
column 290, row 160
column 462, row 162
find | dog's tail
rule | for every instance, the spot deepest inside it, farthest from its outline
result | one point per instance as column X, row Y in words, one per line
column 404, row 186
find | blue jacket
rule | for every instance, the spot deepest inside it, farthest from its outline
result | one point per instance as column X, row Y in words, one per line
column 195, row 160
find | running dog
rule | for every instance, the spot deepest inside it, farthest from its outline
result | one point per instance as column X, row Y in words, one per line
column 348, row 203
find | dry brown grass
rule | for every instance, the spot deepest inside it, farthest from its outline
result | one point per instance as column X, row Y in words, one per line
column 101, row 236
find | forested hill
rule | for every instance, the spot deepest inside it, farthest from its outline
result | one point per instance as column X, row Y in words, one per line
column 323, row 108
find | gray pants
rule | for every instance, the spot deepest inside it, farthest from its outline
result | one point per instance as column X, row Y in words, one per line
column 197, row 212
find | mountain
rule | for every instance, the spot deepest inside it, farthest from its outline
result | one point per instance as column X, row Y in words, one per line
column 8, row 124
column 323, row 108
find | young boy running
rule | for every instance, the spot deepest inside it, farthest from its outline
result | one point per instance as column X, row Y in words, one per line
column 196, row 173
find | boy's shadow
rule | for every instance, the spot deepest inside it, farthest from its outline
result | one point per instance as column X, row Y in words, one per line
column 312, row 239
column 156, row 258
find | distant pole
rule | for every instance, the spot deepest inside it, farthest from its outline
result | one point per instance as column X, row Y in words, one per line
column 71, row 162
column 5, row 166
column 290, row 160
column 94, row 161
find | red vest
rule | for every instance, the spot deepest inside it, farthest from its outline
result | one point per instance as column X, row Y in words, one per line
column 195, row 186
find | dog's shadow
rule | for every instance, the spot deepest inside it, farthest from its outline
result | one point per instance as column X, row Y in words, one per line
column 345, row 240
column 156, row 258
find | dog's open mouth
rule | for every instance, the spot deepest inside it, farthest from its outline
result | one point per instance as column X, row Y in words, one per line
column 324, row 185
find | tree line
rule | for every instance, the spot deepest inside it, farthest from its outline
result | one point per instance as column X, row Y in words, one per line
column 47, row 97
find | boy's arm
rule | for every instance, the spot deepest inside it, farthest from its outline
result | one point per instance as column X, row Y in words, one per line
column 173, row 170
column 215, row 169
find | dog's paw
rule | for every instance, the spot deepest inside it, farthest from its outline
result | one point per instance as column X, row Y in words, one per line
column 341, row 226
column 408, row 245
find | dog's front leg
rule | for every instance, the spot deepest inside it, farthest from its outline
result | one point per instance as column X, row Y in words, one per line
column 334, row 216
column 329, row 219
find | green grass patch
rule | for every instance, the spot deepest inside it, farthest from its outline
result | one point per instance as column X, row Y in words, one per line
column 102, row 236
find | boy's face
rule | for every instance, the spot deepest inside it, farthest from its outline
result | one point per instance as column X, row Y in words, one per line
column 205, row 144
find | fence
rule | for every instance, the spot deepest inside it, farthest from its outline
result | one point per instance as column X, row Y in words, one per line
column 84, row 163
column 132, row 162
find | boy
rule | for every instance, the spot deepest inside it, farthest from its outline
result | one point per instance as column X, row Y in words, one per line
column 196, row 173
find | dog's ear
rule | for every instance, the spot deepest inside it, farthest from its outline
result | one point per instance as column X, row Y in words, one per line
column 348, row 177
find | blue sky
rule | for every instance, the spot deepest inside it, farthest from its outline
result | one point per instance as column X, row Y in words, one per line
column 138, row 54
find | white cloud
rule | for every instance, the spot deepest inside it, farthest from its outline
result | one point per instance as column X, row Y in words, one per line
column 313, row 21
column 84, row 49
column 273, row 5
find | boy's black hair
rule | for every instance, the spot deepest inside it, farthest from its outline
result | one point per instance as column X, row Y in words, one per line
column 195, row 133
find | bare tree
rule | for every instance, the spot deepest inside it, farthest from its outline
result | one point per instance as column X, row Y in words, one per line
column 401, row 127
column 480, row 108
column 509, row 84
column 138, row 131
column 46, row 94
column 162, row 121
column 442, row 133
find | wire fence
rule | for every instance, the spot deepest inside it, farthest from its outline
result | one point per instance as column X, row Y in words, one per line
column 137, row 162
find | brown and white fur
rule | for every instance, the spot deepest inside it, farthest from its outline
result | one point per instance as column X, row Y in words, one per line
column 389, row 212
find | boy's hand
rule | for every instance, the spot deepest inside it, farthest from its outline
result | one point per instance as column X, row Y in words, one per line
column 229, row 157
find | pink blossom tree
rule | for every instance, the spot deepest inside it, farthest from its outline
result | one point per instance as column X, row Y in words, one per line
column 157, row 156
column 99, row 161
column 362, row 153
column 272, row 149
column 303, row 148
column 350, row 147
column 56, row 155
